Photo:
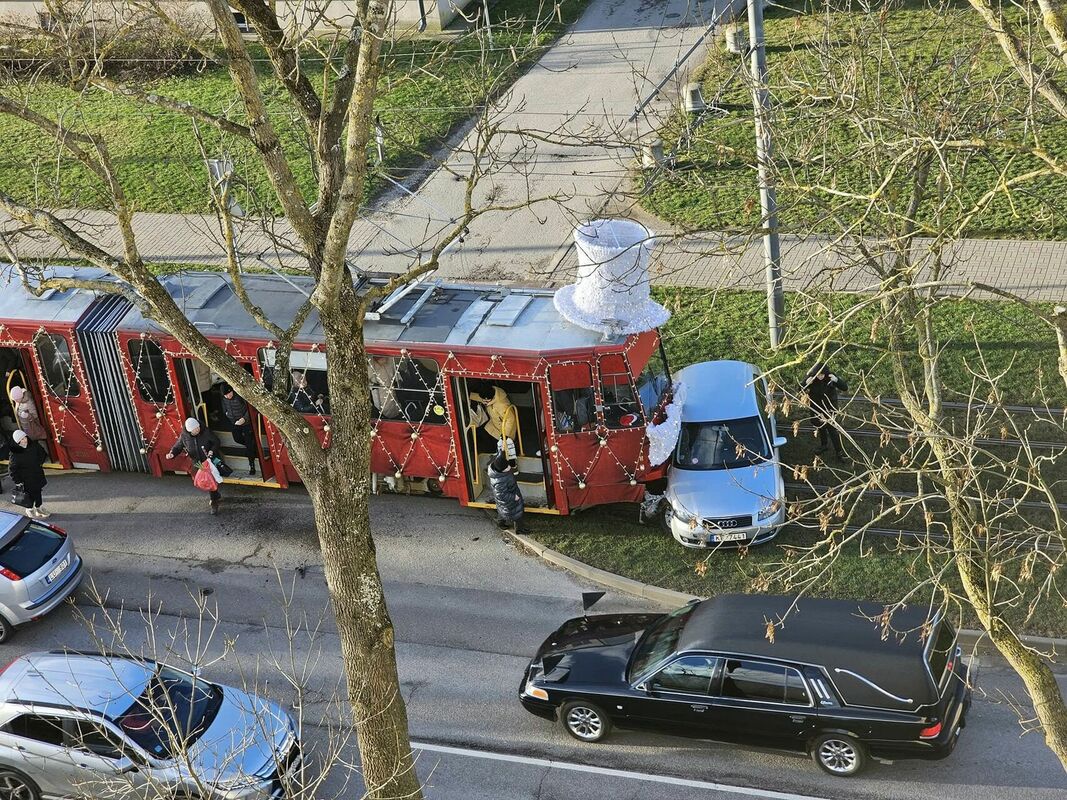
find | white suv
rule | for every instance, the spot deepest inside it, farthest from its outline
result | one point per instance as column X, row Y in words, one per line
column 725, row 487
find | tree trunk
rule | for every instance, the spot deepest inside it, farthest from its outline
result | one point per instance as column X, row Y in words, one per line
column 366, row 633
column 338, row 480
column 973, row 570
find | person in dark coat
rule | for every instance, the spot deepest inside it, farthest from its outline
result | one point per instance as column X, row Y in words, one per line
column 504, row 485
column 236, row 412
column 198, row 443
column 26, row 467
column 822, row 388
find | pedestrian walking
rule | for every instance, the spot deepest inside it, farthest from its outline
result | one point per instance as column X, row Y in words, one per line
column 504, row 485
column 200, row 444
column 26, row 467
column 26, row 416
column 822, row 388
column 237, row 413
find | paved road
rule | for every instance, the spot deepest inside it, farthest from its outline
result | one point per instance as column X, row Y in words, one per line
column 469, row 611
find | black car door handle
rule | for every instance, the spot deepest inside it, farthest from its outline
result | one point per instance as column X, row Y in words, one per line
column 699, row 707
column 798, row 718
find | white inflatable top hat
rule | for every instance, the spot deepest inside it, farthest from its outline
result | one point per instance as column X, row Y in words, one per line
column 611, row 292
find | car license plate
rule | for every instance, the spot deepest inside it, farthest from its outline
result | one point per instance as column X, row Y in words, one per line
column 59, row 570
column 726, row 537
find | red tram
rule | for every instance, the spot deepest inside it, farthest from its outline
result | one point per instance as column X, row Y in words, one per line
column 453, row 368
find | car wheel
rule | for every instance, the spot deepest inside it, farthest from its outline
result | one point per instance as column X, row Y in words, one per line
column 839, row 755
column 664, row 513
column 586, row 722
column 16, row 786
column 7, row 630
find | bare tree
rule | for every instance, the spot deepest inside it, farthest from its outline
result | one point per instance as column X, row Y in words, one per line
column 976, row 483
column 332, row 104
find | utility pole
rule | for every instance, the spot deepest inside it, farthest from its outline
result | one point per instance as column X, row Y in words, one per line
column 764, row 155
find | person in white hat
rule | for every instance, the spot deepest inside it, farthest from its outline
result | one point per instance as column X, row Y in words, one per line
column 199, row 443
column 26, row 468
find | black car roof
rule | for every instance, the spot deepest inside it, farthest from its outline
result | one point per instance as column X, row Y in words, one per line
column 843, row 636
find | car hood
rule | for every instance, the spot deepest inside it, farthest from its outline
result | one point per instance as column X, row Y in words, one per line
column 592, row 649
column 248, row 737
column 723, row 492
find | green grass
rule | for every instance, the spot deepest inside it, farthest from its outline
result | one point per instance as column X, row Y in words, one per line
column 952, row 58
column 875, row 569
column 427, row 89
column 732, row 324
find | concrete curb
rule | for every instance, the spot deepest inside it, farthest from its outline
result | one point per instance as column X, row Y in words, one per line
column 969, row 639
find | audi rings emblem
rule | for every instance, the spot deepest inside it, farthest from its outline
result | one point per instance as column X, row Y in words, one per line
column 727, row 523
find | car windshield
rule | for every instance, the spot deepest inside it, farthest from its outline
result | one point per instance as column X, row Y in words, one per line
column 171, row 713
column 659, row 640
column 721, row 445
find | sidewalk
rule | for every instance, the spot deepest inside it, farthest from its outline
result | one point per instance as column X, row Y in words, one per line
column 587, row 85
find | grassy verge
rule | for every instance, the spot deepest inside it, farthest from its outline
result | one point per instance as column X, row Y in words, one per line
column 877, row 568
column 732, row 324
column 427, row 89
column 714, row 187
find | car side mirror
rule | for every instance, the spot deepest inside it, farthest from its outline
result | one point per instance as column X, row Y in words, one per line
column 779, row 441
column 643, row 687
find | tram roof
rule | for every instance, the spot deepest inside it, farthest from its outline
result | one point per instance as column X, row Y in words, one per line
column 428, row 312
column 17, row 304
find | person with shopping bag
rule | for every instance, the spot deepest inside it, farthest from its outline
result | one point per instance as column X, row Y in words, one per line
column 202, row 446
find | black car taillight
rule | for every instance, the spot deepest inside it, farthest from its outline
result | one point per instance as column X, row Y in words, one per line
column 932, row 732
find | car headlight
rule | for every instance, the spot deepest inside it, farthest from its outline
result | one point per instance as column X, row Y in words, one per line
column 534, row 691
column 769, row 509
column 683, row 516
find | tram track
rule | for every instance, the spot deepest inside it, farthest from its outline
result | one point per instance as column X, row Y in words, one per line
column 906, row 495
column 982, row 441
column 955, row 405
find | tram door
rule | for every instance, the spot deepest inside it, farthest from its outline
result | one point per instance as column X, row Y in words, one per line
column 16, row 370
column 515, row 405
column 201, row 395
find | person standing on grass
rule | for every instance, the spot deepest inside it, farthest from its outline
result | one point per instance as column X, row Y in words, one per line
column 200, row 445
column 236, row 411
column 822, row 388
column 504, row 484
column 26, row 468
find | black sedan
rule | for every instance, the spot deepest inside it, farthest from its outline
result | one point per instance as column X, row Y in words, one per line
column 834, row 680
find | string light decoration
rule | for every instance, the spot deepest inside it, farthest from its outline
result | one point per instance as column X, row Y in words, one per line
column 58, row 400
column 417, row 438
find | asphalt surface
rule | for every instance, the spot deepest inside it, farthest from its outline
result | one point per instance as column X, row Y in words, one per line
column 246, row 590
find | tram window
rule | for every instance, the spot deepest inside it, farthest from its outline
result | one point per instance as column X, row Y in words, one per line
column 654, row 381
column 54, row 355
column 572, row 397
column 382, row 371
column 621, row 409
column 309, row 391
column 417, row 390
column 150, row 370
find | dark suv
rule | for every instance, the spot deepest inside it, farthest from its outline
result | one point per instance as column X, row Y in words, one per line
column 835, row 681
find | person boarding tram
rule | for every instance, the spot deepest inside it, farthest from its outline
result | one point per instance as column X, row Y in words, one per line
column 237, row 413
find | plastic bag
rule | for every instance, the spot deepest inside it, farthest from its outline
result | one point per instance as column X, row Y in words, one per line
column 207, row 477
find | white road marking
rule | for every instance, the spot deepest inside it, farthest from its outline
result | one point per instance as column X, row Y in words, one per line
column 766, row 794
